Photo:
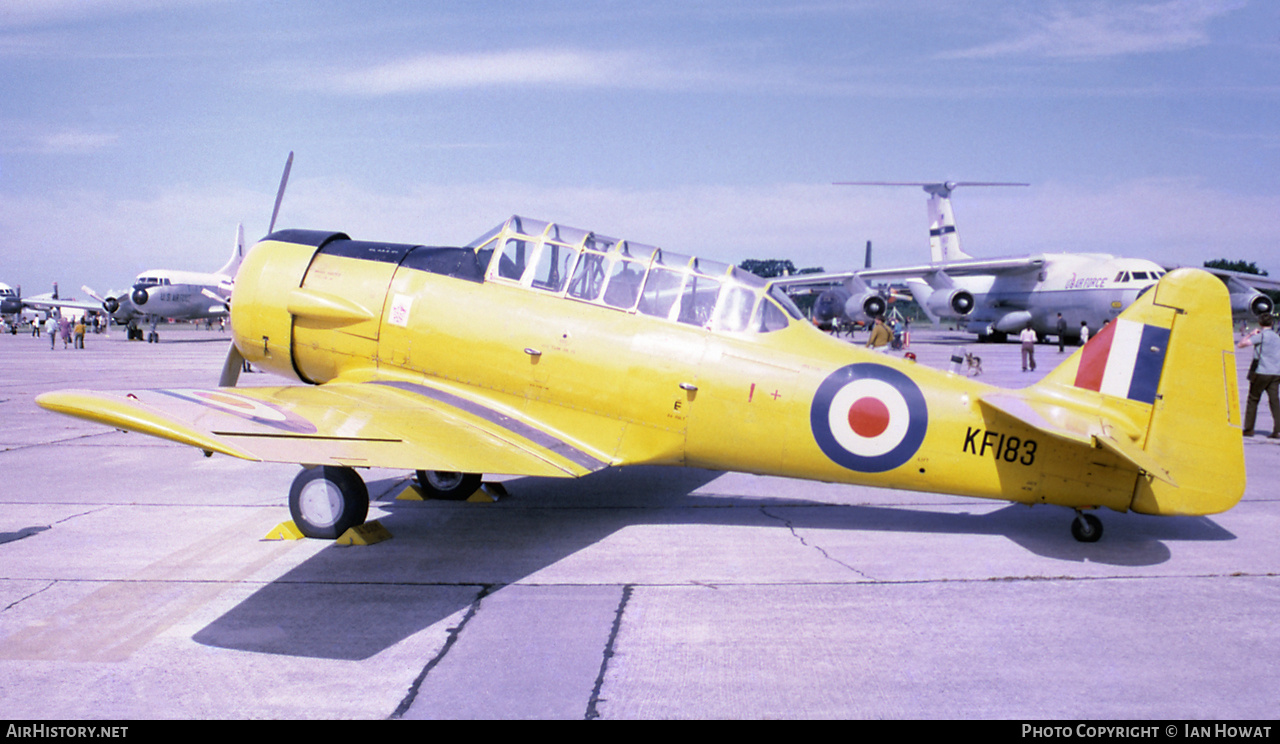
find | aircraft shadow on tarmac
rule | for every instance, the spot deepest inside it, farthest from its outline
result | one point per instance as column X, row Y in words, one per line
column 8, row 537
column 352, row 603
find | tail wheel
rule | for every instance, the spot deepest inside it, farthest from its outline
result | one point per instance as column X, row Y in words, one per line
column 1086, row 528
column 326, row 501
column 439, row 484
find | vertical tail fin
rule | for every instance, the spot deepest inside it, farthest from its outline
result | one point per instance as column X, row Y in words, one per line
column 237, row 255
column 1162, row 381
column 944, row 241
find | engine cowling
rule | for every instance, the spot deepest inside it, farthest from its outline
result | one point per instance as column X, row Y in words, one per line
column 955, row 303
column 1256, row 304
column 261, row 324
column 1247, row 301
column 865, row 305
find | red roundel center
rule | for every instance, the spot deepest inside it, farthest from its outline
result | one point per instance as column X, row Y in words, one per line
column 868, row 417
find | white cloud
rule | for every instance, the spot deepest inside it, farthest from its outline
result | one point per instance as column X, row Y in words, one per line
column 72, row 141
column 1106, row 29
column 560, row 67
column 19, row 137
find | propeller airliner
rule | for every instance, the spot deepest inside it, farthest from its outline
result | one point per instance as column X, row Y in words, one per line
column 157, row 294
column 545, row 350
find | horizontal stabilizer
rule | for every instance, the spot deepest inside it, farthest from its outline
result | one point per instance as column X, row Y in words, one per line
column 1073, row 425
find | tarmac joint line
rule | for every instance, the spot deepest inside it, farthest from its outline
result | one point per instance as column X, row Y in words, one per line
column 592, row 710
column 454, row 633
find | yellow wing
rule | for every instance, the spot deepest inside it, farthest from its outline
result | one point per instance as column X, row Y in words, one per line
column 384, row 424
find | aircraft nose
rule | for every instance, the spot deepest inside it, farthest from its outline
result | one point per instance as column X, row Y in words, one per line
column 139, row 296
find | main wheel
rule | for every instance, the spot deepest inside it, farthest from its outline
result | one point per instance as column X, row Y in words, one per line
column 326, row 501
column 439, row 484
column 1086, row 528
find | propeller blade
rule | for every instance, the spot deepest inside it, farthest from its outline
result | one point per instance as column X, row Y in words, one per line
column 231, row 368
column 284, row 179
column 105, row 307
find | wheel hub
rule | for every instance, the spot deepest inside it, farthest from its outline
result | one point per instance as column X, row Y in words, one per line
column 321, row 503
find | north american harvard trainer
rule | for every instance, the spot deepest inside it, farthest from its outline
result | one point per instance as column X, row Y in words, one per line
column 544, row 350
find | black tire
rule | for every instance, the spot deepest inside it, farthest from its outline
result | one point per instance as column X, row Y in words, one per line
column 326, row 501
column 1086, row 528
column 438, row 484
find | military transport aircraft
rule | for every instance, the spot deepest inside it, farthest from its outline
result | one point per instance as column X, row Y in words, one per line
column 10, row 300
column 175, row 294
column 544, row 350
column 997, row 297
column 13, row 303
column 170, row 293
column 157, row 294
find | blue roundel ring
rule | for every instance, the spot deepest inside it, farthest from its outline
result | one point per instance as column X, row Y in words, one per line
column 868, row 417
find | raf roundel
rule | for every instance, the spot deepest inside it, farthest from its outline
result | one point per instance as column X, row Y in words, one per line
column 868, row 417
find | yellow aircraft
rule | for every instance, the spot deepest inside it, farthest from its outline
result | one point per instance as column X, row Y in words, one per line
column 544, row 350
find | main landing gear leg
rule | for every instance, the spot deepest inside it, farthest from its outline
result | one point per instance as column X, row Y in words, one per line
column 438, row 484
column 1086, row 527
column 327, row 500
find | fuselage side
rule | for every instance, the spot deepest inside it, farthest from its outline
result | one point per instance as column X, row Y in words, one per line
column 1089, row 288
column 693, row 365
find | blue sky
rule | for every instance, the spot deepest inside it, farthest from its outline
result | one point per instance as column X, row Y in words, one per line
column 136, row 134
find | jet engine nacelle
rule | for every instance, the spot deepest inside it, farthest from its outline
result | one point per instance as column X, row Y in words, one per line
column 864, row 306
column 840, row 304
column 1253, row 303
column 954, row 303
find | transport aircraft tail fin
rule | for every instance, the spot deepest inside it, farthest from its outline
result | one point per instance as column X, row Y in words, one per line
column 237, row 255
column 1157, row 387
column 944, row 241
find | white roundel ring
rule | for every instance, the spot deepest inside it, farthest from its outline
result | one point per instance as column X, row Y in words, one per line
column 868, row 417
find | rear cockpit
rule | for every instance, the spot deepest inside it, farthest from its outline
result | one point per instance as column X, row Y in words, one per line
column 630, row 277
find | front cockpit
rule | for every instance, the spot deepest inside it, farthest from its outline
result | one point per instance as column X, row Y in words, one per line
column 631, row 277
column 1138, row 277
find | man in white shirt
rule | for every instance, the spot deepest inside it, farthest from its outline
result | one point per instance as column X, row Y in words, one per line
column 1028, row 339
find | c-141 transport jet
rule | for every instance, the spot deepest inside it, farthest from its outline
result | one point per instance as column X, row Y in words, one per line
column 544, row 350
column 996, row 297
